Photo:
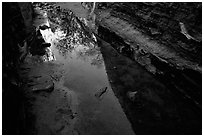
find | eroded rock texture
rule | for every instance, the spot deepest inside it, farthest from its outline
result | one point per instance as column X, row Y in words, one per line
column 165, row 38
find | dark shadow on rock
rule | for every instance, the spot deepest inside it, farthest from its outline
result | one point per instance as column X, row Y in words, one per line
column 12, row 107
column 155, row 108
column 186, row 81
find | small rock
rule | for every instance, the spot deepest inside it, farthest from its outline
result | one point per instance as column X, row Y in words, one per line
column 43, row 87
column 132, row 95
column 110, row 81
column 154, row 31
column 43, row 83
column 101, row 92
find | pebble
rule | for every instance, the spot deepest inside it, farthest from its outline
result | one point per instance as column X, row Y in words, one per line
column 131, row 95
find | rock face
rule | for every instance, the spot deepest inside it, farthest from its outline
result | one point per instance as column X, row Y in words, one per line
column 27, row 13
column 17, row 25
column 165, row 38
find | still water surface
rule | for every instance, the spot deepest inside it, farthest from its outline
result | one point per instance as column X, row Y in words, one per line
column 85, row 75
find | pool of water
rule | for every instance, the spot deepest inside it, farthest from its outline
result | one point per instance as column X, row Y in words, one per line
column 85, row 75
column 91, row 76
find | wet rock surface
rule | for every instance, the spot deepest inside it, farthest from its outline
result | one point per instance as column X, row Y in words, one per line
column 165, row 18
column 144, row 33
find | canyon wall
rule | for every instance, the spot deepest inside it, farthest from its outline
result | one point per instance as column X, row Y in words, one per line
column 165, row 38
column 17, row 26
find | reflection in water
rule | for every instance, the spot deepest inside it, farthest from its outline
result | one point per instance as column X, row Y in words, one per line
column 154, row 110
column 85, row 75
column 67, row 36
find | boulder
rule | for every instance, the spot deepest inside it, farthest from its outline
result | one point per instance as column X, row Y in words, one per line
column 40, row 84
